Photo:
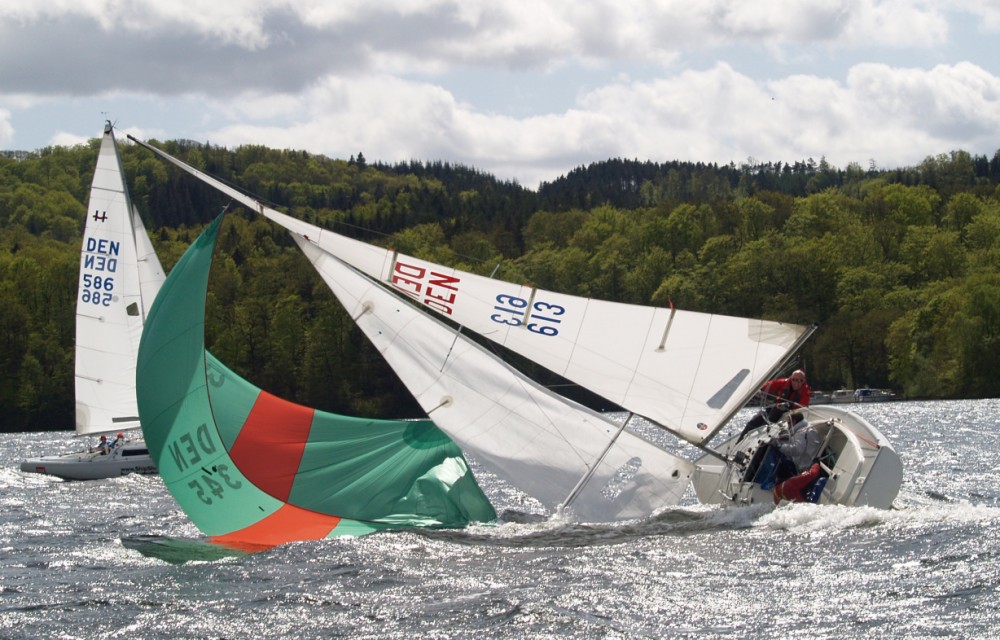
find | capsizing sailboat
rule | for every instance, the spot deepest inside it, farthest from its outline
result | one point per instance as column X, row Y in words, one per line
column 685, row 372
column 120, row 276
column 252, row 470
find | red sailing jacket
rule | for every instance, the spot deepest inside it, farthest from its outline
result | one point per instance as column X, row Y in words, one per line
column 780, row 390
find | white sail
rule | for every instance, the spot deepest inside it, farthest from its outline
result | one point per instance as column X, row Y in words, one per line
column 151, row 275
column 687, row 371
column 116, row 278
column 535, row 439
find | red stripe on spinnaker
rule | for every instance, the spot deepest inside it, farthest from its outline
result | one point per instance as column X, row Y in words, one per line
column 287, row 524
column 269, row 448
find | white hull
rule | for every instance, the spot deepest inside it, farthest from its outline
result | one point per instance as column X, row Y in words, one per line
column 863, row 468
column 874, row 395
column 842, row 396
column 132, row 457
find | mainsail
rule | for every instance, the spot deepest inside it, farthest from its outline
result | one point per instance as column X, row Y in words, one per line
column 688, row 372
column 119, row 277
column 251, row 469
column 533, row 438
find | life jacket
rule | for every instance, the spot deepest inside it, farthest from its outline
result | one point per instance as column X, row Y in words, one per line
column 790, row 395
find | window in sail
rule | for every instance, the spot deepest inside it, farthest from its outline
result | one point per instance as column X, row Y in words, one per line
column 621, row 478
column 723, row 395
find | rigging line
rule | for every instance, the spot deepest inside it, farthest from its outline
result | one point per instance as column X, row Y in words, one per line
column 698, row 445
column 592, row 469
column 524, row 381
column 458, row 331
column 521, row 379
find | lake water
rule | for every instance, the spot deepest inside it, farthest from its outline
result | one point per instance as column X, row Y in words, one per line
column 929, row 568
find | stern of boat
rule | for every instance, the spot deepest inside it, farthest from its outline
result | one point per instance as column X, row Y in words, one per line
column 860, row 465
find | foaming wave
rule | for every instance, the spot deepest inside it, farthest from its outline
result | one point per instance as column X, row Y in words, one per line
column 811, row 518
column 15, row 478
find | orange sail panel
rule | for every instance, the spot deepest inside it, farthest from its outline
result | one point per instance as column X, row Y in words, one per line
column 270, row 445
column 287, row 524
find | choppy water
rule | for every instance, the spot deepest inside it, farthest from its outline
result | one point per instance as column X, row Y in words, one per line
column 928, row 568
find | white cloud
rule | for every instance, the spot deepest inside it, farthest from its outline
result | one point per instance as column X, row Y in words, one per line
column 64, row 139
column 522, row 89
column 894, row 116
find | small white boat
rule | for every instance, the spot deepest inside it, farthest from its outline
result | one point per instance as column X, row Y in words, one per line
column 131, row 457
column 842, row 396
column 120, row 276
column 820, row 397
column 859, row 467
column 867, row 394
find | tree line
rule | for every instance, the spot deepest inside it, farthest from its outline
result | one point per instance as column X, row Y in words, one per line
column 900, row 268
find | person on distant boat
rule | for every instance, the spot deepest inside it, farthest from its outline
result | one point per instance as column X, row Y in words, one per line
column 102, row 446
column 798, row 449
column 780, row 395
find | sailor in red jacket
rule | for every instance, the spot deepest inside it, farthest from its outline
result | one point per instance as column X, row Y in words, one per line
column 779, row 396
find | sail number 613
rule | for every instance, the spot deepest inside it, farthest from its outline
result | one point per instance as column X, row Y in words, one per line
column 542, row 317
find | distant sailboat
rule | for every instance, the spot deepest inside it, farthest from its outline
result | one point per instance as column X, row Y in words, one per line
column 688, row 373
column 252, row 470
column 120, row 276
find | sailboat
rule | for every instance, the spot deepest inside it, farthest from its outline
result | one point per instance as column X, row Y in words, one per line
column 687, row 373
column 120, row 276
column 253, row 471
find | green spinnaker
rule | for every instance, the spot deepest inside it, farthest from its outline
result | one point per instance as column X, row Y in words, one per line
column 252, row 469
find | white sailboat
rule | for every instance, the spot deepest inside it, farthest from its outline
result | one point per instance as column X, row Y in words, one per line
column 120, row 276
column 688, row 373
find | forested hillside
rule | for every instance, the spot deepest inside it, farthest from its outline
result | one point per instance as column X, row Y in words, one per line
column 900, row 268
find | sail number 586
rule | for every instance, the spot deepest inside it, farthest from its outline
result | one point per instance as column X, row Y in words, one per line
column 97, row 289
column 542, row 317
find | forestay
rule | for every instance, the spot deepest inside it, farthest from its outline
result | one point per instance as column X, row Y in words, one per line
column 119, row 277
column 538, row 441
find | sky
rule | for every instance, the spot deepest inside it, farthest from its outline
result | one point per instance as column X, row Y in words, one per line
column 526, row 90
